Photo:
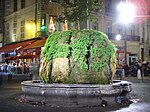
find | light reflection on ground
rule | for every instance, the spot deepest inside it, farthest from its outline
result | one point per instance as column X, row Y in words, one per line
column 136, row 107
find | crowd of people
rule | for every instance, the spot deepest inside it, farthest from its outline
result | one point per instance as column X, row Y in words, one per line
column 135, row 69
column 138, row 69
column 31, row 68
column 15, row 67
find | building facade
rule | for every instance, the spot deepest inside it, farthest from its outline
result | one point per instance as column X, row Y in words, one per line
column 2, row 13
column 1, row 20
column 19, row 14
column 26, row 19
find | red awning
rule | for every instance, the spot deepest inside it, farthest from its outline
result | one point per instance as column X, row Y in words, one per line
column 7, row 58
column 28, row 56
column 11, row 58
column 15, row 46
column 122, row 51
column 23, row 45
column 36, row 44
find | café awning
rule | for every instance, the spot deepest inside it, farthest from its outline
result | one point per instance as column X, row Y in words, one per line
column 36, row 44
column 15, row 46
column 122, row 51
column 23, row 45
column 26, row 56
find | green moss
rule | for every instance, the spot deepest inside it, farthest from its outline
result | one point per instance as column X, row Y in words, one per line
column 89, row 50
column 62, row 51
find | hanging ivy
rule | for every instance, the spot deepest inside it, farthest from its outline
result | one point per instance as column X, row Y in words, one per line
column 62, row 51
column 79, row 48
column 88, row 49
column 57, row 46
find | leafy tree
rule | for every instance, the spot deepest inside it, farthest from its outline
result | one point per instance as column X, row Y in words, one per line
column 81, row 10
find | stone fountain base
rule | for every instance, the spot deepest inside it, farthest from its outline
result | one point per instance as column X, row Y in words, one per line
column 68, row 95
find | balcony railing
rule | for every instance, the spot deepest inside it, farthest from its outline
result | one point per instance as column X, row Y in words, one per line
column 112, row 36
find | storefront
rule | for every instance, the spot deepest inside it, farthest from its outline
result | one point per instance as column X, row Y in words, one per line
column 121, row 56
column 27, row 49
column 22, row 57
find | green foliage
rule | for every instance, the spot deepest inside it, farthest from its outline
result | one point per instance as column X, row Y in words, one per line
column 54, row 50
column 62, row 51
column 81, row 10
column 79, row 49
column 88, row 50
column 50, row 46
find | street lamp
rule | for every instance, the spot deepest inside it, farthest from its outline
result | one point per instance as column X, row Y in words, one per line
column 127, row 12
column 118, row 37
column 126, row 15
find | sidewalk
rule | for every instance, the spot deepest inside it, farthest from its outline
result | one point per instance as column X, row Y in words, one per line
column 140, row 89
column 5, row 76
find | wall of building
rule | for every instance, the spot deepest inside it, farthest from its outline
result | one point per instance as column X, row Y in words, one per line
column 26, row 14
column 103, row 20
column 148, row 40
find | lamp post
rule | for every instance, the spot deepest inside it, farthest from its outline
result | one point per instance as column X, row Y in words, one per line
column 126, row 15
column 118, row 37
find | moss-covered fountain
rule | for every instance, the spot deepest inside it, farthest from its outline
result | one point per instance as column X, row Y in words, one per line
column 77, row 69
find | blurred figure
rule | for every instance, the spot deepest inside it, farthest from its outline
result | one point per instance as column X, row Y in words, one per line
column 34, row 70
column 146, row 68
column 139, row 70
column 9, row 69
column 119, row 71
column 133, row 69
column 24, row 68
column 126, row 70
column 5, row 67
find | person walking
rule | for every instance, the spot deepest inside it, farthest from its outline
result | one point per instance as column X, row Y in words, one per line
column 119, row 71
column 126, row 70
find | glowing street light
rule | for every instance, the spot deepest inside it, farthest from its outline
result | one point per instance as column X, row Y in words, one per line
column 118, row 37
column 127, row 12
column 126, row 15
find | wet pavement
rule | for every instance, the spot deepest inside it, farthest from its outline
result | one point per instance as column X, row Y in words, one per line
column 140, row 96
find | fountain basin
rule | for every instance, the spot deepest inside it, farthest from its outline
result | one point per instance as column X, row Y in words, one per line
column 55, row 94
